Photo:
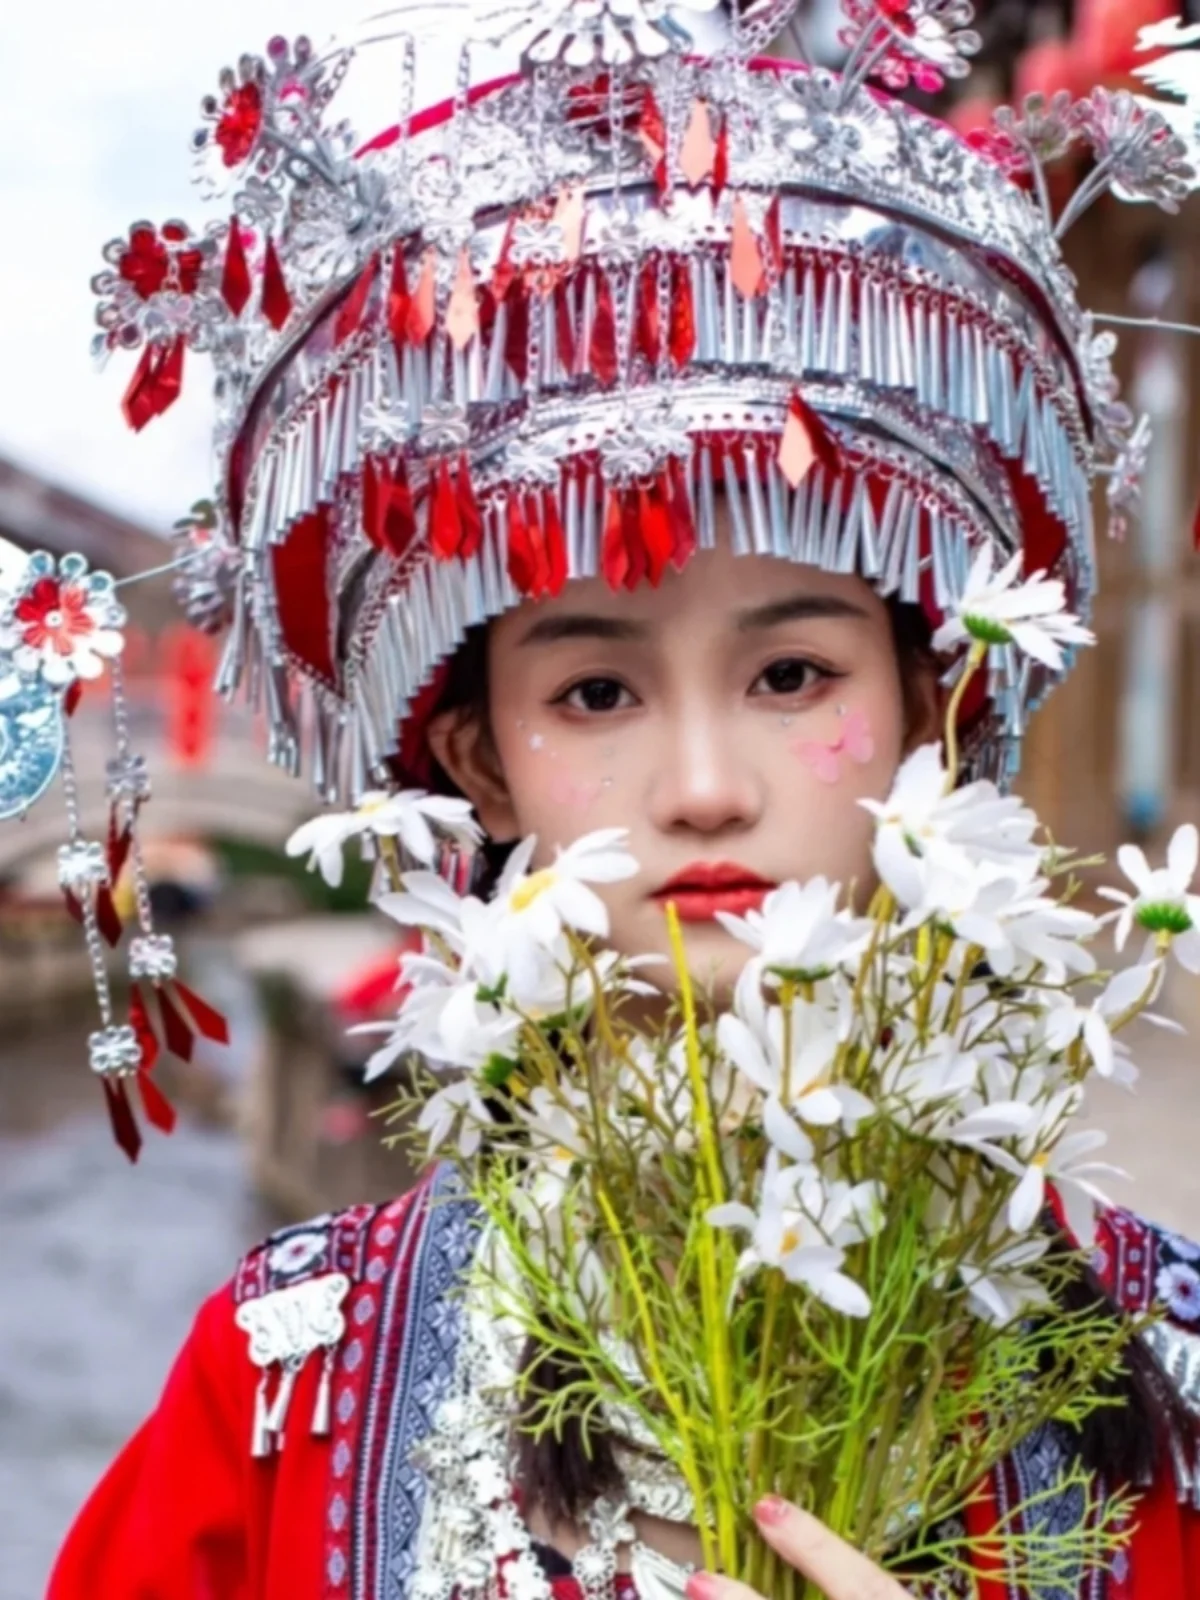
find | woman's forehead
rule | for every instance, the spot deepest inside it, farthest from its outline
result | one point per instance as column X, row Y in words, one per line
column 717, row 584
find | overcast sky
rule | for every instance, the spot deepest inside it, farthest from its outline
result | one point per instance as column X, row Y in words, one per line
column 98, row 105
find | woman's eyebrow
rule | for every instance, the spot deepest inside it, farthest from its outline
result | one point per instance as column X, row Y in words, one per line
column 797, row 608
column 583, row 625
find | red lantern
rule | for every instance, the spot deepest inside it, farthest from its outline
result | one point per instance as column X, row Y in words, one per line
column 191, row 660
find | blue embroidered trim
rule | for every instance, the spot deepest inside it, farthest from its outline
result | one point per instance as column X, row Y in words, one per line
column 432, row 1319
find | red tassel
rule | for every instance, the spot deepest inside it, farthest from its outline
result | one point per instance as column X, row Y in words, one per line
column 276, row 302
column 682, row 341
column 209, row 1021
column 631, row 530
column 805, row 442
column 522, row 562
column 655, row 533
column 400, row 521
column 139, row 1021
column 720, row 168
column 553, row 543
column 108, row 919
column 445, row 525
column 119, row 842
column 235, row 274
column 175, row 1029
column 374, row 501
column 349, row 318
column 564, row 328
column 399, row 303
column 155, row 385
column 160, row 1113
column 469, row 516
column 653, row 133
column 679, row 513
column 516, row 332
column 74, row 908
column 602, row 348
column 505, row 270
column 646, row 329
column 422, row 308
column 613, row 561
column 72, row 697
column 120, row 1114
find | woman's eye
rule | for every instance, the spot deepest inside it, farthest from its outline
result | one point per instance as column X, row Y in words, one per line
column 790, row 675
column 597, row 695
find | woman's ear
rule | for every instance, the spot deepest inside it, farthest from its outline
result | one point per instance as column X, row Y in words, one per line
column 924, row 707
column 462, row 746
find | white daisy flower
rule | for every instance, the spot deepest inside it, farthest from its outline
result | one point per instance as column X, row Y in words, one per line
column 1001, row 609
column 799, row 931
column 1163, row 902
column 540, row 904
column 410, row 817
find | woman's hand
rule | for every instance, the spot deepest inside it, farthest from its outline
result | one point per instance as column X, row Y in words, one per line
column 806, row 1544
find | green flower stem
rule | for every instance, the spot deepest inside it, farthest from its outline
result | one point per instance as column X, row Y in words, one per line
column 975, row 657
column 714, row 1284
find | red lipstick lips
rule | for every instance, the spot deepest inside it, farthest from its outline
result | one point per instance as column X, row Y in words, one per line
column 702, row 889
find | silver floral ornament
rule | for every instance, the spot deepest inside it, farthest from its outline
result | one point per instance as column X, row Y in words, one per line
column 82, row 866
column 152, row 955
column 583, row 33
column 205, row 586
column 444, row 427
column 114, row 1052
column 127, row 778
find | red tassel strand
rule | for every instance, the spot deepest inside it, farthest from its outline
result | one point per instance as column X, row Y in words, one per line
column 399, row 302
column 120, row 1114
column 469, row 516
column 445, row 520
column 156, row 384
column 235, row 274
column 602, row 347
column 349, row 318
column 276, row 301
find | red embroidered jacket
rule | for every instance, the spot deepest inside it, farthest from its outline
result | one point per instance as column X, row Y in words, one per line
column 187, row 1512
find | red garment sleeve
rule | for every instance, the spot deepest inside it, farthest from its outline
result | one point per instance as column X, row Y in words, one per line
column 185, row 1512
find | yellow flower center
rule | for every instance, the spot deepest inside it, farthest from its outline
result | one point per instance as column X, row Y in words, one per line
column 526, row 893
column 369, row 808
column 789, row 1242
column 1041, row 1159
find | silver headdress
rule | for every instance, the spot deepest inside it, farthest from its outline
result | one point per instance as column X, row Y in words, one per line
column 527, row 335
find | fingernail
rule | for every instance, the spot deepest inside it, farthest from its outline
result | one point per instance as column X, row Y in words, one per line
column 772, row 1510
column 702, row 1586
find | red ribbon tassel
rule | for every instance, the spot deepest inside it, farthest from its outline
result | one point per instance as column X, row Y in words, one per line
column 400, row 520
column 652, row 131
column 176, row 1031
column 120, row 1115
column 374, row 503
column 139, row 1021
column 553, row 542
column 209, row 1021
column 349, row 318
column 160, row 1113
column 521, row 562
column 654, row 530
column 399, row 302
column 155, row 385
column 516, row 329
column 108, row 918
column 469, row 516
column 276, row 300
column 720, row 166
column 602, row 348
column 235, row 274
column 682, row 337
column 445, row 522
column 679, row 513
column 564, row 330
column 646, row 332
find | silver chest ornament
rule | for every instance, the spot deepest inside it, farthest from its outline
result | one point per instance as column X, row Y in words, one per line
column 286, row 1327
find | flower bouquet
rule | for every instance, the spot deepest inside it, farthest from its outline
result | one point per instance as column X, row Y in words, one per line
column 820, row 1239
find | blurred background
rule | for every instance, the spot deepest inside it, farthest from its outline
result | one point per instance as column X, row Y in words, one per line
column 104, row 1264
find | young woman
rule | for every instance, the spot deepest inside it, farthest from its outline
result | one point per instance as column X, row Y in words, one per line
column 608, row 443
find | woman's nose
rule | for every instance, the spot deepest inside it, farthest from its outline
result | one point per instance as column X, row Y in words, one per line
column 702, row 781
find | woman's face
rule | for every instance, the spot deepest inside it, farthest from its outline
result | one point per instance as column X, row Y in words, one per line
column 730, row 719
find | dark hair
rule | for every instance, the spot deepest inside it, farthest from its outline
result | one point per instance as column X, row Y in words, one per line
column 565, row 1472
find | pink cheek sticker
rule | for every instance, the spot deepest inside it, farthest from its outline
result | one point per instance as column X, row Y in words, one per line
column 855, row 743
column 566, row 791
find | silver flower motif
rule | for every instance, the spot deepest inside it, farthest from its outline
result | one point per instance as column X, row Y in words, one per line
column 615, row 32
column 114, row 1052
column 537, row 244
column 534, row 459
column 82, row 866
column 152, row 955
column 205, row 586
column 126, row 777
column 383, row 426
column 1136, row 147
column 444, row 426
